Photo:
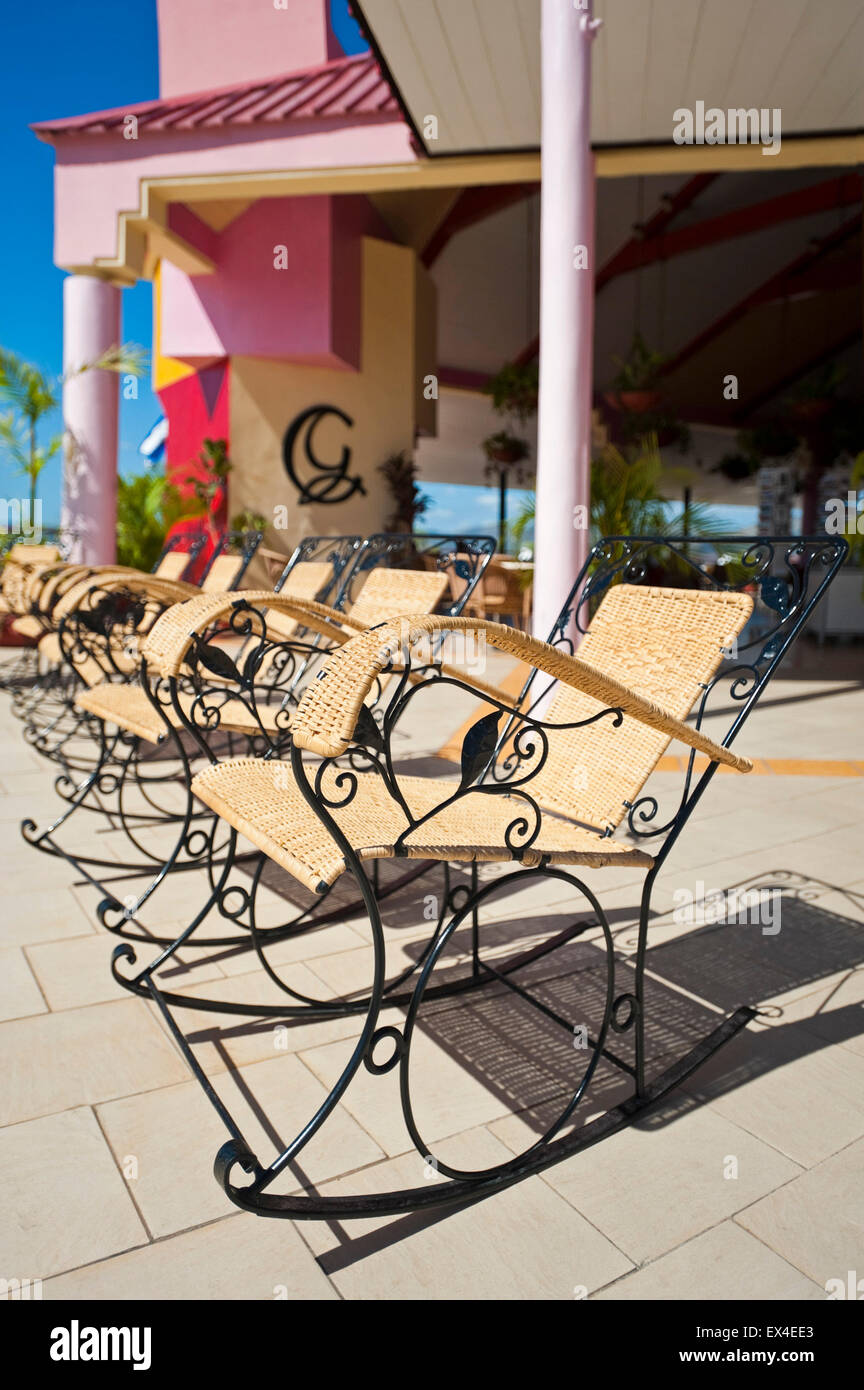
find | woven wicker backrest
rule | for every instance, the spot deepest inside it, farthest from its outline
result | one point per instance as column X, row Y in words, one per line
column 172, row 565
column 395, row 593
column 305, row 581
column 663, row 644
column 223, row 573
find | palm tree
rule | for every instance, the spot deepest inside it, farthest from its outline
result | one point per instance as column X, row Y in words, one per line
column 31, row 396
column 626, row 499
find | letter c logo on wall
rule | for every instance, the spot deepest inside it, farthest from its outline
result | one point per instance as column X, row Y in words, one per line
column 329, row 482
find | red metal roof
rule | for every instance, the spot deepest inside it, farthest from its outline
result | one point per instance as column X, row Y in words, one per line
column 346, row 87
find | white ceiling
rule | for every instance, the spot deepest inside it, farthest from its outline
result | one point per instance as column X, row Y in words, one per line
column 475, row 65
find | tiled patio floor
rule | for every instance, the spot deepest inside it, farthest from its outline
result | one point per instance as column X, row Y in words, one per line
column 749, row 1183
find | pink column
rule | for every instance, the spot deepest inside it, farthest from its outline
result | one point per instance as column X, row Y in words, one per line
column 566, row 305
column 91, row 323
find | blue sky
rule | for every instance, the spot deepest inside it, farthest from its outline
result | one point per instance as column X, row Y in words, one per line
column 71, row 59
column 457, row 507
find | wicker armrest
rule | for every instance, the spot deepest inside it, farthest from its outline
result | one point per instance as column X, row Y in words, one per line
column 107, row 578
column 51, row 577
column 327, row 715
column 172, row 634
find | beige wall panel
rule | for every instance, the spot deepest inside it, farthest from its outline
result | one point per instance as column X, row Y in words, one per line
column 380, row 398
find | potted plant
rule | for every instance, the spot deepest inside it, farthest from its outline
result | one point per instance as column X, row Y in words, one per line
column 634, row 387
column 768, row 441
column 147, row 508
column 209, row 483
column 737, row 466
column 505, row 449
column 814, row 397
column 514, row 390
column 627, row 499
column 409, row 503
column 248, row 521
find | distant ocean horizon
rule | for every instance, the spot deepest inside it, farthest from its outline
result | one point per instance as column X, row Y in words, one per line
column 468, row 508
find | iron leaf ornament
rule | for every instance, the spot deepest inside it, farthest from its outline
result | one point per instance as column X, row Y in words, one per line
column 215, row 660
column 478, row 747
column 366, row 731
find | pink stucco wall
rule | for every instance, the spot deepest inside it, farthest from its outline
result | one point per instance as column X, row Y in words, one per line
column 287, row 285
column 97, row 176
column 211, row 43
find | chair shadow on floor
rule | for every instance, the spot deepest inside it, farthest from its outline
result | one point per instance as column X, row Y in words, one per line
column 527, row 1059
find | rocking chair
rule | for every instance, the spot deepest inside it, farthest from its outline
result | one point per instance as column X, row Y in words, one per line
column 545, row 782
column 303, row 628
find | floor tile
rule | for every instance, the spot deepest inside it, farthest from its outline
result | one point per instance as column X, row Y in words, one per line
column 237, row 1258
column 20, row 994
column 524, row 1243
column 82, row 1056
column 174, row 1134
column 78, row 972
column 723, row 1263
column 817, row 1222
column 64, row 1202
column 789, row 1088
column 651, row 1188
column 42, row 915
column 447, row 1098
column 223, row 1040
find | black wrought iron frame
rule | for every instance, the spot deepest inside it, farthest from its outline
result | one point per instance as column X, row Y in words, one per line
column 120, row 766
column 241, row 543
column 188, row 543
column 789, row 576
column 337, row 551
column 464, row 556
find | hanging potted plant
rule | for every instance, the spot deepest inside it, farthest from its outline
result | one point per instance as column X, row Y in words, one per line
column 770, row 440
column 505, row 449
column 634, row 387
column 737, row 466
column 514, row 392
column 817, row 394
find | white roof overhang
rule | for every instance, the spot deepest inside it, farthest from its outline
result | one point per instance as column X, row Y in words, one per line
column 474, row 66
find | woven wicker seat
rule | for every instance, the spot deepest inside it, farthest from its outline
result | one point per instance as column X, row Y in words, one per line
column 303, row 582
column 631, row 641
column 128, row 707
column 259, row 800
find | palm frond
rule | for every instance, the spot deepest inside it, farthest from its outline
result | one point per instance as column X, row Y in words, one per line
column 13, row 441
column 127, row 359
column 25, row 387
column 627, row 498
